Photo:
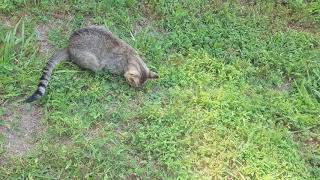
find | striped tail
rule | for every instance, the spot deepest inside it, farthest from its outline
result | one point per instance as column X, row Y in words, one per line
column 46, row 74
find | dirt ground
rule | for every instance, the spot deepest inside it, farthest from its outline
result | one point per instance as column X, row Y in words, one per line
column 20, row 125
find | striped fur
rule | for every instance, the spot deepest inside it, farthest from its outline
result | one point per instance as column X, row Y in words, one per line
column 46, row 75
column 95, row 48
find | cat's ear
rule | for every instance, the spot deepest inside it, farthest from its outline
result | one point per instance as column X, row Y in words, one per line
column 152, row 75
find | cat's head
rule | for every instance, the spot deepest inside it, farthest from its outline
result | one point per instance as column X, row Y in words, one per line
column 136, row 77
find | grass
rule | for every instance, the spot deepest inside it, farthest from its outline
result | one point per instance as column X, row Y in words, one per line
column 238, row 97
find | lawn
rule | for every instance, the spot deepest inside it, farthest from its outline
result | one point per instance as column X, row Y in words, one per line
column 238, row 95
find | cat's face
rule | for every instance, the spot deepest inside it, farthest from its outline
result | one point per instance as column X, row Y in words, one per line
column 133, row 78
column 137, row 79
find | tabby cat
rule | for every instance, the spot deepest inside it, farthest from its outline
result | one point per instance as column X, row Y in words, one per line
column 95, row 48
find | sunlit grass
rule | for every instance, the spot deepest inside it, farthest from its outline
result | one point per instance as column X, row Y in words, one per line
column 238, row 95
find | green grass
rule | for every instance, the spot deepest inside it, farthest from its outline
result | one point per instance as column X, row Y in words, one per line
column 238, row 97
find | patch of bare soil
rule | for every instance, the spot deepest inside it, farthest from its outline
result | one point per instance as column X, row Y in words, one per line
column 286, row 86
column 94, row 131
column 139, row 25
column 247, row 2
column 21, row 125
column 303, row 27
column 88, row 21
column 6, row 21
column 313, row 142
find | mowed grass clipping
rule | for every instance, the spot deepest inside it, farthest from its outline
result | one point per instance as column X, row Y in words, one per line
column 238, row 94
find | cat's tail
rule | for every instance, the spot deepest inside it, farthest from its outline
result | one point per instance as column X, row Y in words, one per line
column 46, row 74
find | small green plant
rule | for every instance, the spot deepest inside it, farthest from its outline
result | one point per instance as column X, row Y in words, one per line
column 10, row 41
column 8, row 6
column 238, row 94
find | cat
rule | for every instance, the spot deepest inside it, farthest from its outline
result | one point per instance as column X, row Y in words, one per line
column 95, row 48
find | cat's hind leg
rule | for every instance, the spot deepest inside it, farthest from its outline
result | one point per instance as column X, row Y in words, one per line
column 85, row 60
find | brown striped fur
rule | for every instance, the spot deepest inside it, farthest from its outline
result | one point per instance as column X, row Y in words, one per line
column 95, row 48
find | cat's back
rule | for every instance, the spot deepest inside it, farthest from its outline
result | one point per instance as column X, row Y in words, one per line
column 94, row 37
column 109, row 52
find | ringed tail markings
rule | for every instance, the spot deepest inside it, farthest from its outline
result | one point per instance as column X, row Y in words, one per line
column 46, row 74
